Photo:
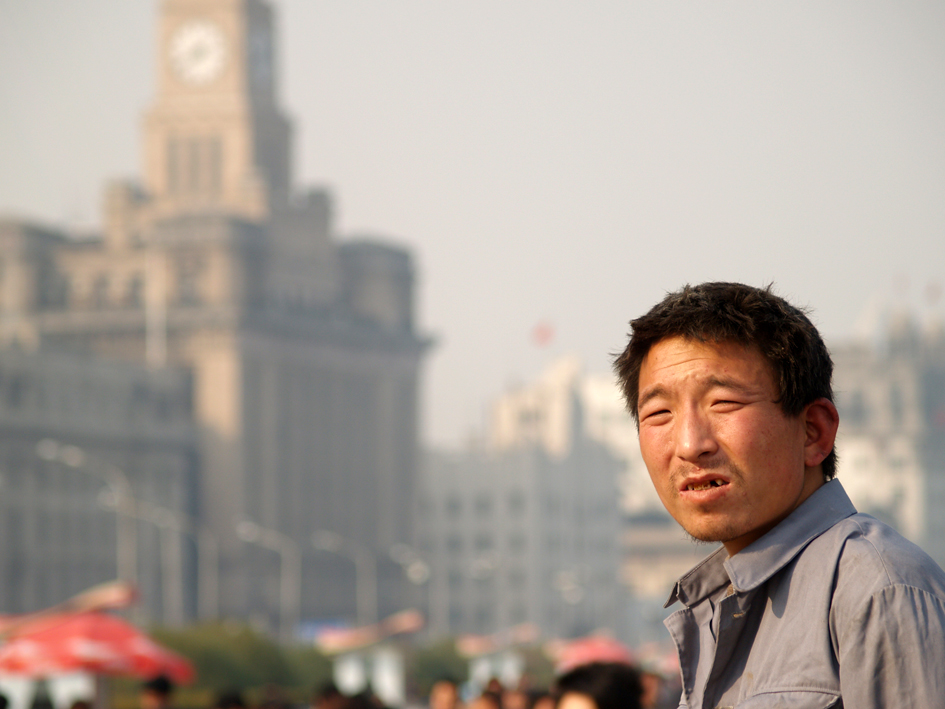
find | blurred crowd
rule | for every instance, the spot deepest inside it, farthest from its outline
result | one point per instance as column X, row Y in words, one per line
column 593, row 685
column 596, row 685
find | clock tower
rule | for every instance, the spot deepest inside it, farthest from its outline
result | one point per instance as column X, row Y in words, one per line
column 300, row 350
column 215, row 139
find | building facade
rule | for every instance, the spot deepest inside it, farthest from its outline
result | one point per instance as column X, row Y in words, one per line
column 302, row 348
column 64, row 506
column 521, row 538
column 891, row 443
column 525, row 530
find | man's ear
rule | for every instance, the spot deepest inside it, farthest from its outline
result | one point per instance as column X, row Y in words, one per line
column 820, row 421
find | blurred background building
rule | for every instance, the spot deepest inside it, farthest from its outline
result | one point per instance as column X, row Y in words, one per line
column 522, row 536
column 891, row 398
column 299, row 351
column 64, row 506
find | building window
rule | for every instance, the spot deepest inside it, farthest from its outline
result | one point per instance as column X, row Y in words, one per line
column 454, row 506
column 896, row 405
column 100, row 292
column 483, row 505
column 135, row 296
column 518, row 614
column 214, row 165
column 16, row 391
column 483, row 542
column 175, row 160
column 188, row 280
column 517, row 502
column 856, row 411
column 193, row 165
column 60, row 291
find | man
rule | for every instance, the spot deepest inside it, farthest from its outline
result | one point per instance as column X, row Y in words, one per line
column 807, row 603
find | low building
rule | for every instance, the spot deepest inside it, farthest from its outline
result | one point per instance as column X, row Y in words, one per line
column 524, row 531
column 521, row 537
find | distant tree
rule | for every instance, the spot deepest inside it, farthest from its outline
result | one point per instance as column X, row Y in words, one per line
column 229, row 656
column 428, row 664
column 310, row 667
column 539, row 672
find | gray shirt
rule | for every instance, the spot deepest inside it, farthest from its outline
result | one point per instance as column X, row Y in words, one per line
column 831, row 608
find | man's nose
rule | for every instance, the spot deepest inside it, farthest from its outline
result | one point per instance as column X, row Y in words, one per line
column 695, row 437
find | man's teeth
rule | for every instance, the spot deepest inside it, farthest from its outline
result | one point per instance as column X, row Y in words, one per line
column 705, row 486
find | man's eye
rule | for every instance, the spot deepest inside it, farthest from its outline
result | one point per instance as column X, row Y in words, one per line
column 726, row 404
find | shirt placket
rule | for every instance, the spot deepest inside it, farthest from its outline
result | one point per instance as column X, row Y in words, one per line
column 731, row 618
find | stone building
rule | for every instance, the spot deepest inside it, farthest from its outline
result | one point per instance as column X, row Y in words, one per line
column 526, row 529
column 302, row 348
column 128, row 430
column 520, row 537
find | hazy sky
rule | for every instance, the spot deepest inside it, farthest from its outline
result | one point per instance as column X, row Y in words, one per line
column 548, row 161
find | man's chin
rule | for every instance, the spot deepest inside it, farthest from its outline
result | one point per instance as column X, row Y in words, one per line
column 701, row 540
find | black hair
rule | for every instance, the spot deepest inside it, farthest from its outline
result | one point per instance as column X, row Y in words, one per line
column 160, row 685
column 745, row 315
column 612, row 685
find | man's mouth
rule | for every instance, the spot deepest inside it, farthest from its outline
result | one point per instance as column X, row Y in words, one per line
column 706, row 485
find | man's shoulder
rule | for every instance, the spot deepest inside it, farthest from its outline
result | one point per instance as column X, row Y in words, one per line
column 873, row 554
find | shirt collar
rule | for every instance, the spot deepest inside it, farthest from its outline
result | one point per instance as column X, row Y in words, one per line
column 764, row 557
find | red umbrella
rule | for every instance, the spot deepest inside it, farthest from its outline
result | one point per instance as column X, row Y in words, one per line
column 569, row 654
column 91, row 642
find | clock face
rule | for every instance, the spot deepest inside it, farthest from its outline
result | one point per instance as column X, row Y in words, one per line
column 198, row 52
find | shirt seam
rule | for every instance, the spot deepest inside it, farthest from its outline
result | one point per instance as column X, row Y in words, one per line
column 780, row 690
column 876, row 552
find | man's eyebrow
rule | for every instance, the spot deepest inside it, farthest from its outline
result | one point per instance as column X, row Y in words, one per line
column 651, row 394
column 725, row 383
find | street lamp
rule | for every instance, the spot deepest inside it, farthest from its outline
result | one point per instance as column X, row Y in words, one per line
column 365, row 570
column 415, row 568
column 117, row 482
column 208, row 570
column 172, row 526
column 290, row 568
column 420, row 574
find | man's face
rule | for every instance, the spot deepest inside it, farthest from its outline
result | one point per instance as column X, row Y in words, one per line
column 727, row 462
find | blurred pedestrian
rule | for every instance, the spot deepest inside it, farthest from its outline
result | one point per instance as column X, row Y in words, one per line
column 327, row 696
column 599, row 685
column 230, row 699
column 489, row 699
column 515, row 698
column 540, row 699
column 156, row 693
column 444, row 694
